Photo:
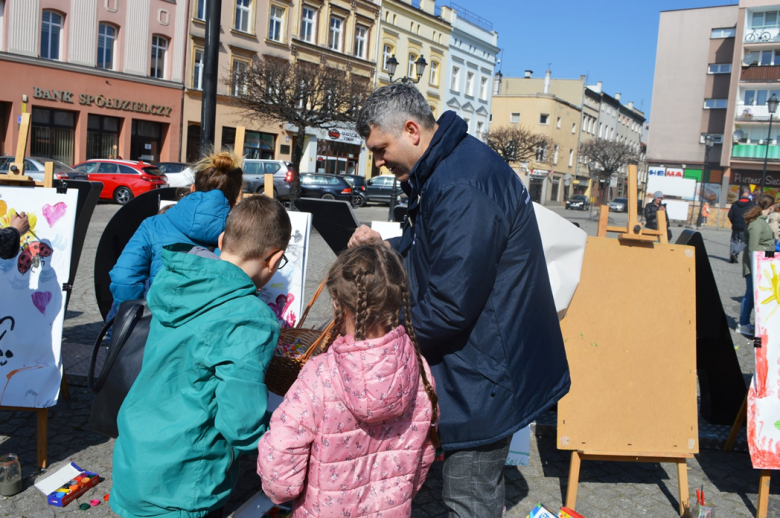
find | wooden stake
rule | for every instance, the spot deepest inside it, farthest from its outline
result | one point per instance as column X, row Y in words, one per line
column 574, row 480
column 21, row 149
column 632, row 205
column 682, row 486
column 663, row 236
column 269, row 185
column 238, row 146
column 763, row 493
column 43, row 435
column 739, row 421
column 48, row 175
column 603, row 221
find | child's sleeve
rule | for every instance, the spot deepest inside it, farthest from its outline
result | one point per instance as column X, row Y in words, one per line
column 283, row 453
column 132, row 269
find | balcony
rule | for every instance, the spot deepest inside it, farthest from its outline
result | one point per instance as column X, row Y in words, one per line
column 762, row 35
column 755, row 151
column 753, row 113
column 763, row 74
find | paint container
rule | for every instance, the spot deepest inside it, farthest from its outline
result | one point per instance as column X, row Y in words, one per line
column 706, row 511
column 10, row 475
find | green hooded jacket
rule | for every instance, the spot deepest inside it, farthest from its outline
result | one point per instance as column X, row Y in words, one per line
column 200, row 398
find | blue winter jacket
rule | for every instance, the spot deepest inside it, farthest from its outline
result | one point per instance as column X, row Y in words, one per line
column 482, row 306
column 198, row 219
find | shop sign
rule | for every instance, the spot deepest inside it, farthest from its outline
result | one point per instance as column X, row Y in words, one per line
column 344, row 135
column 656, row 171
column 101, row 101
column 754, row 178
column 538, row 173
column 675, row 173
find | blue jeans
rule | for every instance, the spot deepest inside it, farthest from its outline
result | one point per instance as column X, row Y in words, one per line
column 473, row 485
column 747, row 302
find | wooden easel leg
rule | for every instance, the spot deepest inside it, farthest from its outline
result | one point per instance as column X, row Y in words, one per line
column 64, row 389
column 739, row 421
column 682, row 484
column 763, row 493
column 574, row 480
column 43, row 436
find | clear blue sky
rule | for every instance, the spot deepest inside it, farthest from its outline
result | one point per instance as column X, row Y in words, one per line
column 613, row 41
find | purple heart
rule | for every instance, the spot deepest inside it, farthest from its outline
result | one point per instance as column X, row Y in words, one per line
column 41, row 299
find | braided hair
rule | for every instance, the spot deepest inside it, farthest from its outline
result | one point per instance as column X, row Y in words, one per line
column 369, row 283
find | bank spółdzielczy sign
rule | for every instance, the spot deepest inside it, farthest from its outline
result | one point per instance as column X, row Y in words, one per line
column 101, row 101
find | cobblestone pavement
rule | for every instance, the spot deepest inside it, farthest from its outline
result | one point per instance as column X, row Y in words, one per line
column 606, row 489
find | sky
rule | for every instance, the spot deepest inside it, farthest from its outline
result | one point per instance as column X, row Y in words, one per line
column 613, row 41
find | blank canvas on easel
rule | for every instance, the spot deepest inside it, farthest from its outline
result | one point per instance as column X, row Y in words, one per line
column 32, row 301
column 630, row 338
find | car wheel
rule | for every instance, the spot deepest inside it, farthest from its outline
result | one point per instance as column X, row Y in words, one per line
column 276, row 194
column 327, row 196
column 122, row 195
column 358, row 201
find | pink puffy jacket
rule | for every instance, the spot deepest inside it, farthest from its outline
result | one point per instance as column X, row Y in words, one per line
column 351, row 437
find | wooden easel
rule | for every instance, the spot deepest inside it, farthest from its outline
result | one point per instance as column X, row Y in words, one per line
column 16, row 177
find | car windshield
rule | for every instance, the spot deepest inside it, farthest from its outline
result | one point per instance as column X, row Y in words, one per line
column 619, row 200
column 62, row 167
column 578, row 198
column 153, row 171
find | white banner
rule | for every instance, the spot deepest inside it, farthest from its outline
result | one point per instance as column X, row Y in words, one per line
column 683, row 188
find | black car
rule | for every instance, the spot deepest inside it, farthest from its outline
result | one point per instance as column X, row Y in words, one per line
column 380, row 189
column 358, row 184
column 325, row 186
column 578, row 202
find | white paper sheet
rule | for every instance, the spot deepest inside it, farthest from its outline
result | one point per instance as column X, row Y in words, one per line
column 57, row 479
column 387, row 229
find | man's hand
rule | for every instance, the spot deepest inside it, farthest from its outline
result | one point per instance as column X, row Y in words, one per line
column 20, row 223
column 365, row 236
column 662, row 207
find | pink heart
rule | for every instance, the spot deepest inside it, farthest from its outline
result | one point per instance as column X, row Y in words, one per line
column 53, row 214
column 41, row 299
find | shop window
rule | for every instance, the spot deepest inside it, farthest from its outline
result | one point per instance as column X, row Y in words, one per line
column 243, row 15
column 256, row 144
column 146, row 141
column 159, row 50
column 337, row 157
column 102, row 136
column 193, row 143
column 106, row 44
column 51, row 31
column 275, row 24
column 308, row 21
column 52, row 134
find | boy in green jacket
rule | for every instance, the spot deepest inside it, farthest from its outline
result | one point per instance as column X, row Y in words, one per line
column 200, row 398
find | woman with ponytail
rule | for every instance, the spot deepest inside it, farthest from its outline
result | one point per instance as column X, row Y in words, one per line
column 197, row 219
column 356, row 433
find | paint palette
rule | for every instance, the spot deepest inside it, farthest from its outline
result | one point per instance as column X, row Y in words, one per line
column 71, row 489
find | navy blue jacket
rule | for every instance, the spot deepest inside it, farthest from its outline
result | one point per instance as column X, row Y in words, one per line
column 482, row 306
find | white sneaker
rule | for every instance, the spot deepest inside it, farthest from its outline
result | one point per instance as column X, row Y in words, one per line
column 746, row 330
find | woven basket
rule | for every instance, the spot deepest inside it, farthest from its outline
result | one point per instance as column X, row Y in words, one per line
column 283, row 370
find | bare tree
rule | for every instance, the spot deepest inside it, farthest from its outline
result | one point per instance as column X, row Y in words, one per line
column 519, row 144
column 607, row 157
column 300, row 93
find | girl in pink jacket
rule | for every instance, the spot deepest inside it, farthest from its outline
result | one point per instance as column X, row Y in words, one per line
column 356, row 433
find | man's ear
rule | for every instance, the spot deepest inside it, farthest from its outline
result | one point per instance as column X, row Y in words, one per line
column 412, row 130
column 219, row 241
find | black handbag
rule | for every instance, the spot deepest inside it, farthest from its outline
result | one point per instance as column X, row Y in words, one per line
column 122, row 366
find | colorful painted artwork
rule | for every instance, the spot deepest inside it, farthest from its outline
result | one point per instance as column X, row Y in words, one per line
column 284, row 294
column 764, row 393
column 32, row 309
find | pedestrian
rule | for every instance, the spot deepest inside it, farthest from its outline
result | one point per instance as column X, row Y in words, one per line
column 360, row 421
column 774, row 221
column 651, row 213
column 705, row 213
column 759, row 238
column 481, row 301
column 10, row 236
column 737, row 218
column 200, row 398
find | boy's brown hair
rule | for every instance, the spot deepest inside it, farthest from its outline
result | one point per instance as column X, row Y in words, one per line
column 257, row 226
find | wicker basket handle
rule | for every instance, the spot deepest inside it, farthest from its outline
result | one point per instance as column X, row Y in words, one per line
column 311, row 303
column 324, row 336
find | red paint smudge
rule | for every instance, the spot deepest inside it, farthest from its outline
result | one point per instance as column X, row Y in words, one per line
column 762, row 367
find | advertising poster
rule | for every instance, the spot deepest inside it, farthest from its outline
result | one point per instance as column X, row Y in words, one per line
column 710, row 192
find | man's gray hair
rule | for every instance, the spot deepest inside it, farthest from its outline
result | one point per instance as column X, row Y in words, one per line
column 389, row 107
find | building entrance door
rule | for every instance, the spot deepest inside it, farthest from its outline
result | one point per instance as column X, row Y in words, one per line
column 535, row 186
column 146, row 141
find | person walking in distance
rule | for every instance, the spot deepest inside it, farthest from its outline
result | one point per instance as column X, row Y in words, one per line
column 737, row 219
column 481, row 301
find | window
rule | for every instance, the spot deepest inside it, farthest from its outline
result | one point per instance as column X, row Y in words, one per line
column 719, row 69
column 240, row 70
column 455, row 85
column 200, row 9
column 361, row 38
column 387, row 53
column 729, row 32
column 334, row 39
column 541, row 153
column 712, row 104
column 544, row 118
column 574, row 127
column 514, row 118
column 434, row 79
column 717, row 139
column 750, row 97
column 571, row 157
column 243, row 15
column 412, row 63
column 758, row 97
column 51, row 28
column 470, row 83
column 468, row 124
column 275, row 23
column 764, row 20
column 197, row 70
column 307, row 24
column 106, row 41
column 555, row 155
column 480, row 126
column 558, row 124
column 483, row 91
column 102, row 136
column 159, row 47
column 601, row 127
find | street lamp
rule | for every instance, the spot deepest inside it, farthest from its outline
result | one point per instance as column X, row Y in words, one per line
column 708, row 142
column 419, row 65
column 771, row 105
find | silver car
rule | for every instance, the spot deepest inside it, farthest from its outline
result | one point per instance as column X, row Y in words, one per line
column 618, row 205
column 34, row 167
column 256, row 169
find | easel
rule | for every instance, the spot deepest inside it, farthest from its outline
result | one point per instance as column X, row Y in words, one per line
column 16, row 177
column 238, row 147
column 633, row 232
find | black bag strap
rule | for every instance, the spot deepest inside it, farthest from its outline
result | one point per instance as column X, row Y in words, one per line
column 134, row 314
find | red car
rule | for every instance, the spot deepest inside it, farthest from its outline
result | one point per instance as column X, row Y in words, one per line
column 123, row 179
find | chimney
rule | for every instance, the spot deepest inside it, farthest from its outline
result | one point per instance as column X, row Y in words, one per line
column 631, row 105
column 547, row 76
column 617, row 97
column 529, row 74
column 582, row 78
column 599, row 86
column 497, row 83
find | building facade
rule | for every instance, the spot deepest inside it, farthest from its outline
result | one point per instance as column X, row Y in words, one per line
column 102, row 78
column 472, row 58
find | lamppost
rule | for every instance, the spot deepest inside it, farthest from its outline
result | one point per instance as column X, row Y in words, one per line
column 392, row 65
column 708, row 142
column 771, row 105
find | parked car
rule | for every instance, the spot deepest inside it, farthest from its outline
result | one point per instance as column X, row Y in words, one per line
column 618, row 205
column 34, row 167
column 123, row 179
column 358, row 184
column 254, row 176
column 380, row 189
column 325, row 186
column 179, row 174
column 578, row 202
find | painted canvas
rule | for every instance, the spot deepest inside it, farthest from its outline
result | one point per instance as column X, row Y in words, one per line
column 284, row 293
column 32, row 305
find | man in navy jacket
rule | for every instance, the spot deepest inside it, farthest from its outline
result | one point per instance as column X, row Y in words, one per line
column 482, row 306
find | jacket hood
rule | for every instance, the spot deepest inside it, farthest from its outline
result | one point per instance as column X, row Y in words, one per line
column 742, row 202
column 379, row 377
column 190, row 284
column 201, row 216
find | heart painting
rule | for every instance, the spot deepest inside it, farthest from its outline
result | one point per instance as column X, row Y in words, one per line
column 41, row 299
column 53, row 214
